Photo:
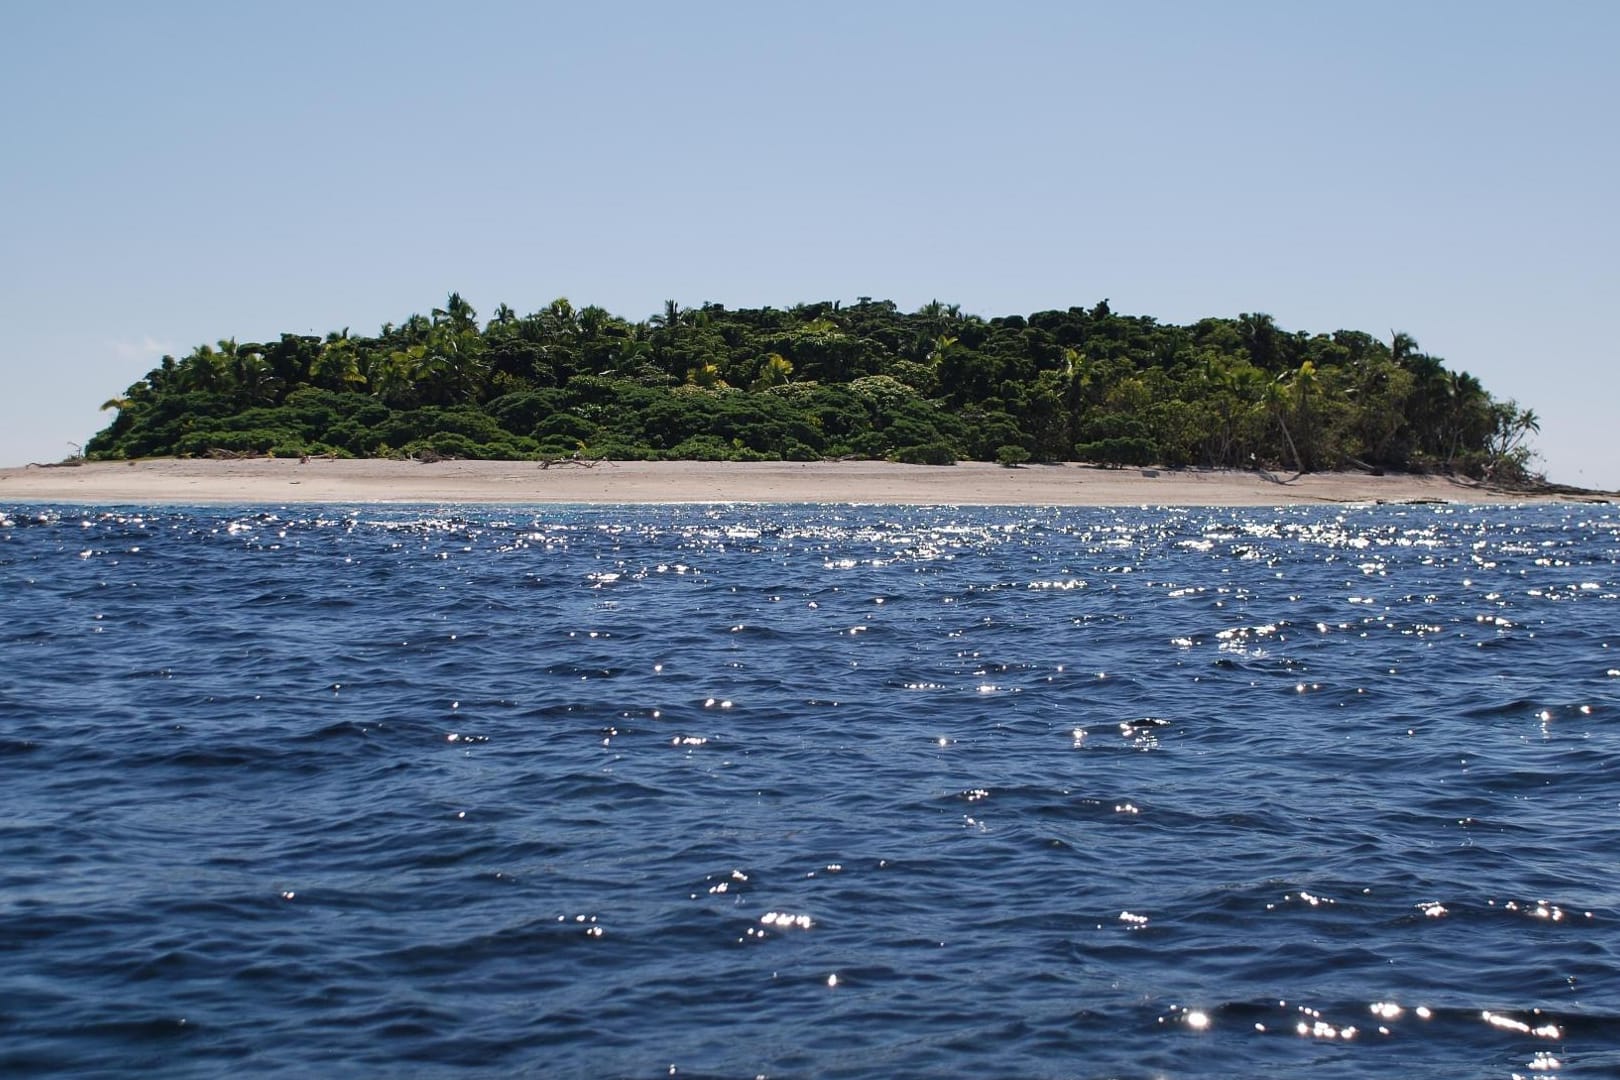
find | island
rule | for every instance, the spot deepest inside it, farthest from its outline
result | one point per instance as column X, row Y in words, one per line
column 829, row 381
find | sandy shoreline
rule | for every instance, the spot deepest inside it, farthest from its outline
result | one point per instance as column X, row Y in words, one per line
column 278, row 481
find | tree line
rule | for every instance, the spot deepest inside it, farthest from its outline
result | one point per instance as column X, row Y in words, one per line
column 829, row 380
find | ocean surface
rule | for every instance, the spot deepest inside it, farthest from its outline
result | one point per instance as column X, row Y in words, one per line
column 829, row 791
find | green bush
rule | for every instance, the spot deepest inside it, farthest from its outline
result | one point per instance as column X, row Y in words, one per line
column 257, row 441
column 615, row 450
column 701, row 448
column 522, row 412
column 350, row 435
column 450, row 444
column 1122, row 450
column 404, row 428
column 874, row 445
column 934, row 453
column 988, row 432
column 564, row 426
column 556, row 447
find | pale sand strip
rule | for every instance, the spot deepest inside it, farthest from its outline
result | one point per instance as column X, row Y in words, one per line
column 278, row 481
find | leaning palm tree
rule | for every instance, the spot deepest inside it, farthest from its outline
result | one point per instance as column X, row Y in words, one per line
column 1509, row 458
column 1276, row 404
column 1305, row 387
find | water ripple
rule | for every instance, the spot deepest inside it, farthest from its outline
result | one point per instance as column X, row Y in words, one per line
column 823, row 791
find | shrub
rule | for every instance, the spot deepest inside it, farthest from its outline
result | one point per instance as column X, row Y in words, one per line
column 257, row 441
column 1120, row 450
column 701, row 448
column 350, row 436
column 521, row 412
column 448, row 444
column 404, row 428
column 564, row 426
column 988, row 432
column 616, row 450
column 445, row 444
column 868, row 444
column 557, row 447
column 933, row 453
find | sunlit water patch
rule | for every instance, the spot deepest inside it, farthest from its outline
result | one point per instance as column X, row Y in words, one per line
column 827, row 791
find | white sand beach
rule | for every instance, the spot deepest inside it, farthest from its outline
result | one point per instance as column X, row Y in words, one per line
column 285, row 480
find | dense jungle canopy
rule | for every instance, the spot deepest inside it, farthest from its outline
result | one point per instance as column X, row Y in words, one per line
column 828, row 380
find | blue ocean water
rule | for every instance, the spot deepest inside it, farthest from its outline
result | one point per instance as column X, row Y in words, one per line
column 810, row 791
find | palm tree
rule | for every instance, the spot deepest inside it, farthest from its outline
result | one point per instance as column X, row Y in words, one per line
column 706, row 376
column 458, row 313
column 203, row 369
column 1260, row 334
column 413, row 330
column 593, row 320
column 392, row 376
column 338, row 365
column 1402, row 346
column 1305, row 386
column 672, row 316
column 773, row 372
column 934, row 318
column 255, row 381
column 451, row 368
column 1509, row 457
column 1276, row 404
column 1429, row 404
column 1469, row 419
column 559, row 317
column 1228, row 388
column 629, row 357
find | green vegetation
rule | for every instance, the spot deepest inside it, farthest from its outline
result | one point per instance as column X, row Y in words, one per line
column 825, row 381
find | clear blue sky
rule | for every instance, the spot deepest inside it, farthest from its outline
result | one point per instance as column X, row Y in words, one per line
column 174, row 173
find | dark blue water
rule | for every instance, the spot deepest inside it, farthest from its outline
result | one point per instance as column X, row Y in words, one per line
column 826, row 791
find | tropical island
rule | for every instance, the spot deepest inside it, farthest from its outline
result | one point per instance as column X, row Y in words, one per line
column 828, row 381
